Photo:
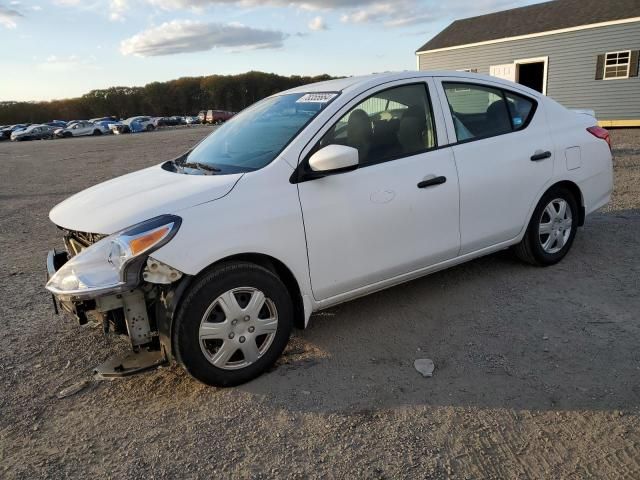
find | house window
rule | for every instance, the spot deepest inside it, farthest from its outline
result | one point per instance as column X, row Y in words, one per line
column 617, row 65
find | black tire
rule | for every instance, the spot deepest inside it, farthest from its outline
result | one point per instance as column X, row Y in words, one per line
column 530, row 249
column 201, row 294
column 67, row 135
column 97, row 132
column 150, row 128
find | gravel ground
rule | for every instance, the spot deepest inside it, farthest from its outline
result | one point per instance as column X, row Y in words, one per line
column 537, row 370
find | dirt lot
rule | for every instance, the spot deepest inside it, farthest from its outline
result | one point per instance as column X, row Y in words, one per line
column 537, row 370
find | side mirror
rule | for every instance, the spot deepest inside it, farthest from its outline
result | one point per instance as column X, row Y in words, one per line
column 334, row 158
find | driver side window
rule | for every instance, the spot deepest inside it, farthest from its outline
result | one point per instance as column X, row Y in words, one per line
column 393, row 123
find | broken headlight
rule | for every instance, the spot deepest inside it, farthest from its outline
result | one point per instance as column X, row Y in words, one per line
column 113, row 264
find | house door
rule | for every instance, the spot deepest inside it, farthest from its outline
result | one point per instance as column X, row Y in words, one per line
column 532, row 73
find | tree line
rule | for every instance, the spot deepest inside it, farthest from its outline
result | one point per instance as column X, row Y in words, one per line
column 184, row 96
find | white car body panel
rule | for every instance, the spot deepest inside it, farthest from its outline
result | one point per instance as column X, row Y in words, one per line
column 350, row 234
column 498, row 180
column 124, row 201
column 372, row 224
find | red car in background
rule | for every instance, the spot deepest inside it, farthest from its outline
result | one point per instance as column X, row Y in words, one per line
column 218, row 116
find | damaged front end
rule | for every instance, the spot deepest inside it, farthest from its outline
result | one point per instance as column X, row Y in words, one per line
column 116, row 279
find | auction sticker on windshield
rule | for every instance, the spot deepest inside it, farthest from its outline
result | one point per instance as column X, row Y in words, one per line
column 317, row 98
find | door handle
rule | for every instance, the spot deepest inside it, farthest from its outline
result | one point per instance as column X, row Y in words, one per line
column 430, row 182
column 540, row 156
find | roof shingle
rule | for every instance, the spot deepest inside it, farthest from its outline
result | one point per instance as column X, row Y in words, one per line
column 538, row 18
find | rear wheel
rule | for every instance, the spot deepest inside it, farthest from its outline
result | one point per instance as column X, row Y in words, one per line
column 150, row 128
column 97, row 132
column 552, row 229
column 233, row 324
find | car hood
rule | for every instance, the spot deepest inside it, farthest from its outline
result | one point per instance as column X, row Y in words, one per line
column 124, row 201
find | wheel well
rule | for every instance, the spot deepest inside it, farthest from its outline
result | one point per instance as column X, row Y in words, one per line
column 577, row 195
column 280, row 269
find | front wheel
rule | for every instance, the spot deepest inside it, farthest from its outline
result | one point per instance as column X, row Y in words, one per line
column 233, row 324
column 552, row 229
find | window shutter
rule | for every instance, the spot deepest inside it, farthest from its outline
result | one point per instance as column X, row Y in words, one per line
column 600, row 67
column 633, row 66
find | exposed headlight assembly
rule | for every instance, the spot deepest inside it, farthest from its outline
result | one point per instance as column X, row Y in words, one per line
column 113, row 264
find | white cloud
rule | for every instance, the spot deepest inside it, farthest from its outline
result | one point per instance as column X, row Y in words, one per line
column 392, row 13
column 183, row 36
column 318, row 24
column 117, row 9
column 304, row 4
column 402, row 13
column 9, row 17
column 71, row 63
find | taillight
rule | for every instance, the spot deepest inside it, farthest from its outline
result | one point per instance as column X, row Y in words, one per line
column 600, row 133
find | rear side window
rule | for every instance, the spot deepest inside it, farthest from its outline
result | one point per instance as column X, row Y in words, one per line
column 520, row 108
column 481, row 111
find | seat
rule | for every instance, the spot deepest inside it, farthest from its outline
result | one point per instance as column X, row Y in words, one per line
column 360, row 134
column 498, row 120
column 412, row 129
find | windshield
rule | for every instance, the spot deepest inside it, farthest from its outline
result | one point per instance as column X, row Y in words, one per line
column 256, row 136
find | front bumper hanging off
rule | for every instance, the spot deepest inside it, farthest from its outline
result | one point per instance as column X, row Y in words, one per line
column 78, row 309
column 147, row 352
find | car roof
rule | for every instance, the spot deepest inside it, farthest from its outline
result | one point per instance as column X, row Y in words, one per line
column 368, row 81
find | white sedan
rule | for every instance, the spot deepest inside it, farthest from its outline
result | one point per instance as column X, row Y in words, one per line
column 81, row 129
column 316, row 196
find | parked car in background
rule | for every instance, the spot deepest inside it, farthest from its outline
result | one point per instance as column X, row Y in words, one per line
column 33, row 132
column 57, row 123
column 5, row 134
column 192, row 120
column 323, row 194
column 118, row 128
column 105, row 125
column 109, row 119
column 80, row 129
column 133, row 125
column 216, row 117
column 143, row 121
column 168, row 121
column 202, row 116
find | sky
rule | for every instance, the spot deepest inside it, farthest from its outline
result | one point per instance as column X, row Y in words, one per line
column 54, row 49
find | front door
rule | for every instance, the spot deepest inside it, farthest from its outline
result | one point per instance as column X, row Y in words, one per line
column 398, row 212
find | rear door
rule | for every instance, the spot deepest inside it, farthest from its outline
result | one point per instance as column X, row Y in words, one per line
column 504, row 156
column 398, row 212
